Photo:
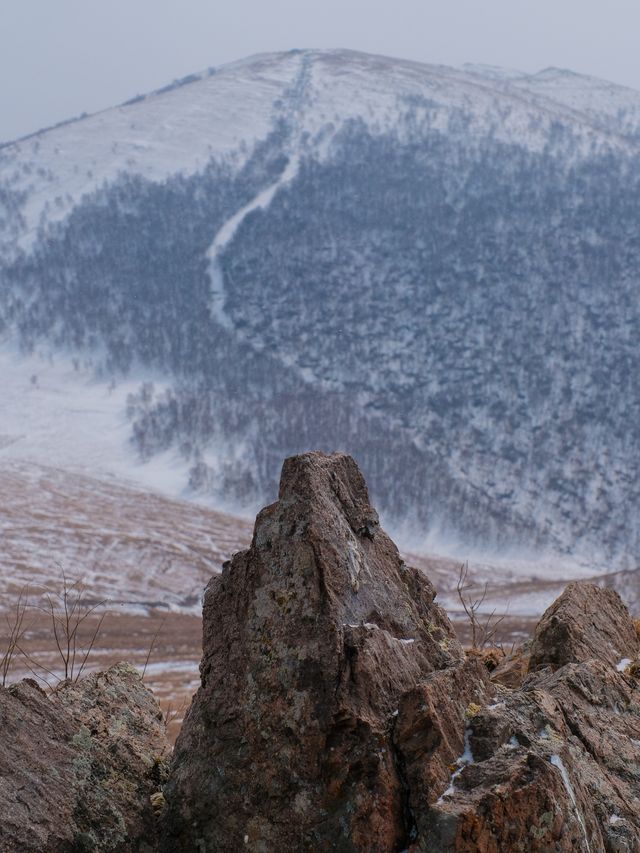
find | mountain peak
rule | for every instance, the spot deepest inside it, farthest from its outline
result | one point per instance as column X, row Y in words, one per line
column 279, row 201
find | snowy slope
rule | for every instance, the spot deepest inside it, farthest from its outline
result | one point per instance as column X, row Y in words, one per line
column 56, row 413
column 608, row 105
column 223, row 113
column 433, row 268
column 133, row 548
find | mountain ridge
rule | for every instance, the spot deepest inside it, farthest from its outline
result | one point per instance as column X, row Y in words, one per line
column 476, row 69
column 261, row 65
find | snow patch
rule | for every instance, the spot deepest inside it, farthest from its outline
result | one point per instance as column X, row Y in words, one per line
column 557, row 762
column 463, row 761
column 228, row 231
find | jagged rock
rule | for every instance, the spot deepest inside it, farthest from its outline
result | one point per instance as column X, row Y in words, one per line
column 77, row 769
column 337, row 711
column 311, row 638
column 554, row 765
column 585, row 622
column 432, row 732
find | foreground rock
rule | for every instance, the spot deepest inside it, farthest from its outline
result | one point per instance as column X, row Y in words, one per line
column 311, row 639
column 338, row 712
column 77, row 770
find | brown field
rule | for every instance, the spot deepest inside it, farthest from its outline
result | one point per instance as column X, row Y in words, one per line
column 170, row 645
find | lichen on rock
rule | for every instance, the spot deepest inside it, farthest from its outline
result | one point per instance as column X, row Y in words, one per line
column 77, row 768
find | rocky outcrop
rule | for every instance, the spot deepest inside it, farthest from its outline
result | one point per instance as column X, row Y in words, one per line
column 338, row 712
column 584, row 622
column 555, row 764
column 78, row 769
column 311, row 639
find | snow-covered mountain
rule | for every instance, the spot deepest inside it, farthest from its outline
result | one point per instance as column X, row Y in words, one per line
column 436, row 269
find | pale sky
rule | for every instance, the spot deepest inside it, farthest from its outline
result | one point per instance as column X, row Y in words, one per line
column 59, row 58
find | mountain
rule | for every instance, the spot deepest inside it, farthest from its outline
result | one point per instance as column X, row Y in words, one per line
column 435, row 269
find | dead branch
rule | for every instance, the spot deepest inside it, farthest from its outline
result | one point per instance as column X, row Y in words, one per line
column 17, row 629
column 483, row 632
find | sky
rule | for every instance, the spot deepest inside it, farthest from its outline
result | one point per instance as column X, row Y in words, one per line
column 60, row 58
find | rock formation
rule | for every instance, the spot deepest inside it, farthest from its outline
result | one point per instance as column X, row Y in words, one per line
column 556, row 763
column 78, row 769
column 337, row 710
column 311, row 639
column 583, row 624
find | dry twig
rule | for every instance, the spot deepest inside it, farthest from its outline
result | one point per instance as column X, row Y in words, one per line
column 483, row 632
column 17, row 629
column 152, row 645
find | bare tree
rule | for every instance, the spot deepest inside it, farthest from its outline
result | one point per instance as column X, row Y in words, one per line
column 152, row 645
column 16, row 627
column 483, row 631
column 68, row 611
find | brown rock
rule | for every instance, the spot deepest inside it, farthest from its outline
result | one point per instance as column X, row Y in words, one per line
column 311, row 638
column 555, row 767
column 512, row 670
column 337, row 711
column 77, row 769
column 432, row 731
column 585, row 622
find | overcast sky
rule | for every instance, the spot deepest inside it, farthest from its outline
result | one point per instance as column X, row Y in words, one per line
column 59, row 58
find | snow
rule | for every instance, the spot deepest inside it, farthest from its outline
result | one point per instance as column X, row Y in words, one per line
column 221, row 117
column 227, row 232
column 592, row 98
column 76, row 495
column 557, row 762
column 493, row 72
column 463, row 761
column 58, row 423
column 160, row 667
column 68, row 421
column 56, row 413
column 53, row 414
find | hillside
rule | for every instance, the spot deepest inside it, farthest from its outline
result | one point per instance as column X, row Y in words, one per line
column 435, row 269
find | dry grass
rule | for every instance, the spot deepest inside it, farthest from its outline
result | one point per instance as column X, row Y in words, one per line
column 172, row 667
